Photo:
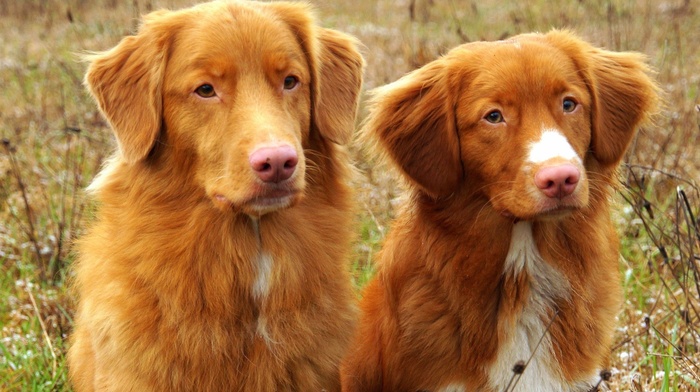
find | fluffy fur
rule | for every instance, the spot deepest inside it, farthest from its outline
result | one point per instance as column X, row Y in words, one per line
column 197, row 274
column 493, row 245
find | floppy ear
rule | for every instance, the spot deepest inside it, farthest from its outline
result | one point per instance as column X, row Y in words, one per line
column 336, row 67
column 127, row 81
column 339, row 81
column 623, row 94
column 414, row 121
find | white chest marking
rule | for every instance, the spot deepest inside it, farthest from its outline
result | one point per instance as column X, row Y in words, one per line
column 543, row 373
column 552, row 144
column 261, row 285
column 262, row 267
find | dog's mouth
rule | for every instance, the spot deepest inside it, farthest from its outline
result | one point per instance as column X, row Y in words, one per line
column 556, row 212
column 263, row 200
column 552, row 213
column 272, row 200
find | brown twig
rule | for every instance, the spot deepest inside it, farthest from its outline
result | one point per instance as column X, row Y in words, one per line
column 520, row 368
column 30, row 232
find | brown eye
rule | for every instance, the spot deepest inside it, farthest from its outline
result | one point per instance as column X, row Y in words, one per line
column 205, row 91
column 568, row 105
column 494, row 117
column 290, row 82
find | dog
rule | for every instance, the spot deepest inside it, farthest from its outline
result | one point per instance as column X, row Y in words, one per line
column 501, row 268
column 218, row 256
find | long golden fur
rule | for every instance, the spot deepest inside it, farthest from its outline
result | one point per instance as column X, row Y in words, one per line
column 199, row 274
column 510, row 149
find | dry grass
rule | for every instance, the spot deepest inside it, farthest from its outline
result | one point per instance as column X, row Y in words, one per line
column 53, row 141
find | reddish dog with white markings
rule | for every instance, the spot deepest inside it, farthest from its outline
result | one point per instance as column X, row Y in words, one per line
column 505, row 250
column 218, row 261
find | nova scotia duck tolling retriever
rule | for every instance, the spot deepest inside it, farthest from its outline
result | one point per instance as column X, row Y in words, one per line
column 218, row 257
column 504, row 253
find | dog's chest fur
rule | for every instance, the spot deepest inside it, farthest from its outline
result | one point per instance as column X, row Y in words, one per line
column 263, row 266
column 524, row 319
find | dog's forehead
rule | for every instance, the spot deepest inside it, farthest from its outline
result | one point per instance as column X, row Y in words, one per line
column 514, row 74
column 233, row 35
column 521, row 47
column 517, row 64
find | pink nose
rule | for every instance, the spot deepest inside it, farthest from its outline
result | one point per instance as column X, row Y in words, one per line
column 557, row 181
column 274, row 164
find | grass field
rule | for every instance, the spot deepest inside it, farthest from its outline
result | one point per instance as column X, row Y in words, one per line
column 54, row 140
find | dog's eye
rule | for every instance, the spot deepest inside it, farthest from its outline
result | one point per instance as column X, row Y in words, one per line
column 290, row 82
column 494, row 117
column 569, row 105
column 205, row 91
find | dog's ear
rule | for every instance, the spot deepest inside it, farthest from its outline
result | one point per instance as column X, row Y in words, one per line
column 413, row 120
column 622, row 91
column 339, row 82
column 336, row 67
column 624, row 96
column 127, row 82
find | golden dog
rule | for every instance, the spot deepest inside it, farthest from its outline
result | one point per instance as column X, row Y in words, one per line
column 505, row 250
column 217, row 261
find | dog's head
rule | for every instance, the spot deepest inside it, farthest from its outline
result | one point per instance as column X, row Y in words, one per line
column 520, row 122
column 237, row 88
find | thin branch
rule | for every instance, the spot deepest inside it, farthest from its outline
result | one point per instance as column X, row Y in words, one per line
column 44, row 331
column 31, row 232
column 519, row 368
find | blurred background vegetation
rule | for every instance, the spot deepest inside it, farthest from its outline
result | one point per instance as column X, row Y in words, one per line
column 53, row 141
